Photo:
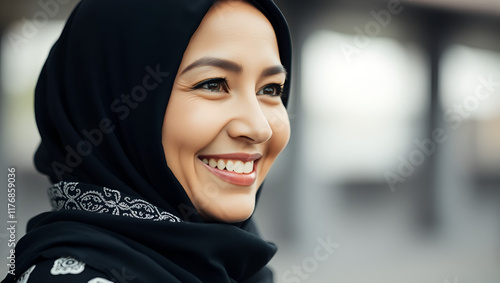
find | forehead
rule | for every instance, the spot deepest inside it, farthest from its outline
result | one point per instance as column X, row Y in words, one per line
column 234, row 28
column 241, row 13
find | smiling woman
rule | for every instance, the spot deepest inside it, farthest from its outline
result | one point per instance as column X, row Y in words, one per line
column 226, row 98
column 159, row 123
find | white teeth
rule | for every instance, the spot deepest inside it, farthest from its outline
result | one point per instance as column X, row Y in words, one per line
column 221, row 165
column 230, row 165
column 248, row 167
column 237, row 166
column 212, row 162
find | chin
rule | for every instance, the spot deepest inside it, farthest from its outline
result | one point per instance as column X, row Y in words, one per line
column 231, row 210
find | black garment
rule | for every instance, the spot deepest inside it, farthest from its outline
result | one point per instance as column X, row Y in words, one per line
column 112, row 232
column 100, row 103
column 66, row 269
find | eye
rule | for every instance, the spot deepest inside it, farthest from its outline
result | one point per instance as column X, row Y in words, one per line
column 271, row 90
column 213, row 85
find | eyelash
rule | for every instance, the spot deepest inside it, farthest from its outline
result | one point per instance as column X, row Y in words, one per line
column 222, row 83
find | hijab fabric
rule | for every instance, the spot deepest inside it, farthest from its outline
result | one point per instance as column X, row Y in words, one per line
column 100, row 103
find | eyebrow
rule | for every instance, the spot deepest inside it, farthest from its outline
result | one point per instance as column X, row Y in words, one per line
column 232, row 66
column 274, row 70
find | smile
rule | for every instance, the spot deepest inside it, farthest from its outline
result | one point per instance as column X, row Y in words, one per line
column 237, row 168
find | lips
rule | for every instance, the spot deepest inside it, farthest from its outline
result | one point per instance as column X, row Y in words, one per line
column 235, row 168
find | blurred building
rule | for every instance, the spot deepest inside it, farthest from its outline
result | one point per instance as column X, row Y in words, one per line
column 393, row 170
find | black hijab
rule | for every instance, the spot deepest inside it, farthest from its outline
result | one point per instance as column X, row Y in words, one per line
column 100, row 103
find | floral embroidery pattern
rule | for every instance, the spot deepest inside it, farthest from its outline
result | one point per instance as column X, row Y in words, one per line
column 26, row 275
column 67, row 265
column 70, row 195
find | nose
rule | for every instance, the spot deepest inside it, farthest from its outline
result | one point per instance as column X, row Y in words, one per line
column 249, row 123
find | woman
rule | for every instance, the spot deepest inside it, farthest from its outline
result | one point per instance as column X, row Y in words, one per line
column 159, row 122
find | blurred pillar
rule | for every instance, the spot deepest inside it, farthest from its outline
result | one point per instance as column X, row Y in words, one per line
column 435, row 39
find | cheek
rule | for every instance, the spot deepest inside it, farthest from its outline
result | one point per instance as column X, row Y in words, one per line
column 280, row 125
column 188, row 126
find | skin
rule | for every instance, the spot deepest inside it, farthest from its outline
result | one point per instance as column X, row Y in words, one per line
column 244, row 116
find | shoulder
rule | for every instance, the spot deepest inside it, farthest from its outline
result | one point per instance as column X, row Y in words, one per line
column 63, row 269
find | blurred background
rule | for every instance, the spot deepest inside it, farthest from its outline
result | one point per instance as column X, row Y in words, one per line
column 393, row 170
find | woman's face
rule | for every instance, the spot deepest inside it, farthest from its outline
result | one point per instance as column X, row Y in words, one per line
column 225, row 123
